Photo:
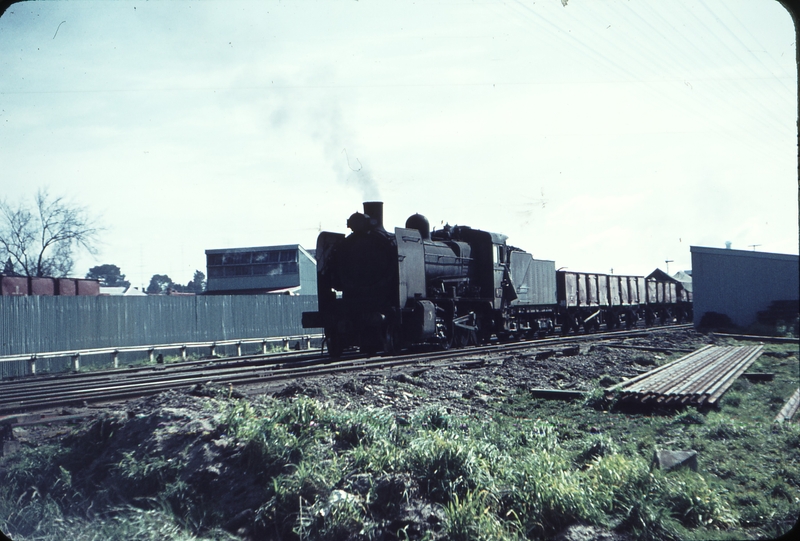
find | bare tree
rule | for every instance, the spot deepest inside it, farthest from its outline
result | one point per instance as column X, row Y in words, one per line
column 41, row 241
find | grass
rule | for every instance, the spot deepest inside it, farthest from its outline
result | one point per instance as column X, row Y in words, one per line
column 525, row 469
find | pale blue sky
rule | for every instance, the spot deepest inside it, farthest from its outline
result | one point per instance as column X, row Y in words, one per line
column 603, row 134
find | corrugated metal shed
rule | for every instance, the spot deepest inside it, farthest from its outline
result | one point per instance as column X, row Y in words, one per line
column 740, row 283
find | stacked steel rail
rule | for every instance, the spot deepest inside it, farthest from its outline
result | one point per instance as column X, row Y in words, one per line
column 790, row 408
column 699, row 378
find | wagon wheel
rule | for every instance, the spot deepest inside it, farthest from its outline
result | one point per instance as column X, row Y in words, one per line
column 575, row 322
column 565, row 324
column 614, row 321
column 630, row 319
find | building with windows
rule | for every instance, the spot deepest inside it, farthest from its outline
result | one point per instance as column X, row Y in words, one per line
column 289, row 269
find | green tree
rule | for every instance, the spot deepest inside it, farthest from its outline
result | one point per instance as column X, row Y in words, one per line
column 109, row 275
column 159, row 284
column 8, row 268
column 41, row 240
column 198, row 283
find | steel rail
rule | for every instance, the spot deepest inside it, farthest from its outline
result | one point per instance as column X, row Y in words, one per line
column 45, row 379
column 755, row 338
column 743, row 364
column 654, row 371
column 715, row 366
column 683, row 374
column 686, row 368
column 33, row 383
column 280, row 372
column 689, row 378
column 790, row 408
column 701, row 377
column 718, row 376
column 154, row 381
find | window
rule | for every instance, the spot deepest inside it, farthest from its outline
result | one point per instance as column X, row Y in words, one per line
column 237, row 258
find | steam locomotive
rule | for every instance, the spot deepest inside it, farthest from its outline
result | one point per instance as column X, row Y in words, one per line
column 458, row 286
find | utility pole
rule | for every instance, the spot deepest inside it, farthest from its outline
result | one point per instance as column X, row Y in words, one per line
column 753, row 246
column 668, row 261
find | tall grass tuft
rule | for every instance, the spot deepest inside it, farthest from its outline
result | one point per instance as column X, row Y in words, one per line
column 470, row 518
column 443, row 466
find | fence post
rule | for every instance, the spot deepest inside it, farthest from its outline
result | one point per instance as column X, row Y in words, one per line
column 151, row 353
column 285, row 344
column 115, row 356
column 264, row 347
column 213, row 348
column 32, row 364
column 76, row 362
column 238, row 349
column 306, row 342
column 183, row 352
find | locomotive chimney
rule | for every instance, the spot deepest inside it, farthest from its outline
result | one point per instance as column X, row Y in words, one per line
column 374, row 209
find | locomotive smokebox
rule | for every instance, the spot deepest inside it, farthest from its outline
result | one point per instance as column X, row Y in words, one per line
column 374, row 209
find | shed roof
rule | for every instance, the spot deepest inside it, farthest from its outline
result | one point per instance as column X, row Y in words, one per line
column 297, row 247
column 742, row 253
column 658, row 274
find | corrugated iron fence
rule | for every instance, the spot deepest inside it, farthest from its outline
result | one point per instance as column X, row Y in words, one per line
column 39, row 323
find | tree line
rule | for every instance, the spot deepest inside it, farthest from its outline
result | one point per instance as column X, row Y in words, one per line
column 40, row 239
column 160, row 284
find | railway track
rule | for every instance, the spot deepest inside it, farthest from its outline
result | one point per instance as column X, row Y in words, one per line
column 51, row 392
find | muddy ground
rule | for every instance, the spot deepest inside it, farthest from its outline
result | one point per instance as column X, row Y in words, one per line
column 181, row 420
column 491, row 377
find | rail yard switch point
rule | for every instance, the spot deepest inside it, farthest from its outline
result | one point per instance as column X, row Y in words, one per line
column 669, row 460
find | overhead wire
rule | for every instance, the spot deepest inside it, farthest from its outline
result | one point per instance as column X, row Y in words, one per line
column 670, row 50
column 729, row 89
column 783, row 73
column 741, row 67
column 634, row 59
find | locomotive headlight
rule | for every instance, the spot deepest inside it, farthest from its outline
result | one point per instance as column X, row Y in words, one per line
column 376, row 318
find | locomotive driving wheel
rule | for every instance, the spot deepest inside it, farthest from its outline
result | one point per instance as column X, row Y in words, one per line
column 334, row 344
column 391, row 339
column 484, row 332
column 460, row 337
